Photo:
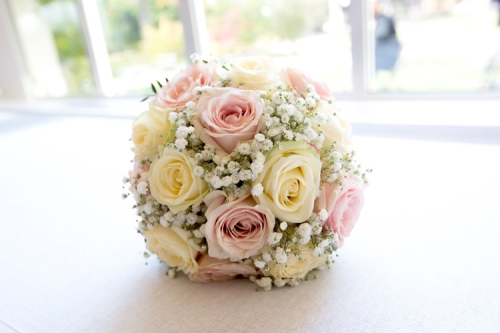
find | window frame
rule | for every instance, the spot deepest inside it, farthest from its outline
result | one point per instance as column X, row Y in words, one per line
column 14, row 82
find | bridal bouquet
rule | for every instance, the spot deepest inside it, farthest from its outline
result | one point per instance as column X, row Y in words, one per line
column 244, row 170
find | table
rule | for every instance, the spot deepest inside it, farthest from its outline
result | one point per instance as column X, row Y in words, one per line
column 424, row 257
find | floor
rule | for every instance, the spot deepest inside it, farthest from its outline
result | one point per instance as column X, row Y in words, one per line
column 423, row 257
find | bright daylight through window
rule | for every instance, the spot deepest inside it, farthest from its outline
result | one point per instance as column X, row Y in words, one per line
column 364, row 47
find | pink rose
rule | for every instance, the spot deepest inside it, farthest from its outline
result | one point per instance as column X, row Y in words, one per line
column 343, row 205
column 295, row 78
column 237, row 229
column 212, row 269
column 179, row 90
column 226, row 116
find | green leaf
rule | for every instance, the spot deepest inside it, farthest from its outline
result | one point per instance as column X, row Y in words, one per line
column 159, row 84
column 145, row 98
column 153, row 87
column 166, row 80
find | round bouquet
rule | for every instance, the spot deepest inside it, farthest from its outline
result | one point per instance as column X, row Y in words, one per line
column 242, row 170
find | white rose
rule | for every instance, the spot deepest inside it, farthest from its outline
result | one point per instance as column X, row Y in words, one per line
column 172, row 246
column 339, row 131
column 296, row 268
column 254, row 72
column 290, row 180
column 173, row 182
column 150, row 130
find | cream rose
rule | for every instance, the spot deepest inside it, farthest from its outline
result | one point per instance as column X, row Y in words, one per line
column 254, row 72
column 226, row 116
column 290, row 180
column 296, row 268
column 212, row 270
column 173, row 183
column 295, row 78
column 338, row 132
column 150, row 130
column 173, row 247
column 179, row 90
column 237, row 229
column 343, row 205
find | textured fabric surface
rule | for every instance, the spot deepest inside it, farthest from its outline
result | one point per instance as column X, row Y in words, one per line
column 424, row 256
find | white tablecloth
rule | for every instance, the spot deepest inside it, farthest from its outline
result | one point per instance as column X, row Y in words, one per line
column 424, row 257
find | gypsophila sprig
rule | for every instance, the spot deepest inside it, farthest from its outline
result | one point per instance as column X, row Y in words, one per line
column 242, row 170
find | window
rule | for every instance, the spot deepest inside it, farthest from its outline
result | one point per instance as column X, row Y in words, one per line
column 362, row 48
column 145, row 42
column 53, row 47
column 436, row 46
column 310, row 35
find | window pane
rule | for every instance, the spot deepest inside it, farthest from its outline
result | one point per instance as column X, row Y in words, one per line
column 311, row 35
column 145, row 42
column 53, row 47
column 436, row 45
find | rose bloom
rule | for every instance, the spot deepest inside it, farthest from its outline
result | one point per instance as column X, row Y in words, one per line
column 291, row 180
column 295, row 268
column 338, row 132
column 173, row 247
column 150, row 130
column 295, row 78
column 343, row 205
column 212, row 270
column 173, row 183
column 254, row 72
column 226, row 116
column 178, row 91
column 237, row 229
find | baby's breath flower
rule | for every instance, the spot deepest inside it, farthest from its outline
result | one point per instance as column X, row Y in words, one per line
column 323, row 214
column 190, row 105
column 280, row 255
column 279, row 97
column 283, row 225
column 316, row 227
column 163, row 221
column 244, row 148
column 275, row 238
column 259, row 263
column 257, row 190
column 266, row 256
column 260, row 137
column 199, row 171
column 310, row 102
column 148, row 207
column 266, row 283
column 273, row 132
column 172, row 117
column 192, row 218
column 181, row 143
column 280, row 85
column 299, row 116
column 142, row 188
column 226, row 181
column 300, row 103
column 268, row 145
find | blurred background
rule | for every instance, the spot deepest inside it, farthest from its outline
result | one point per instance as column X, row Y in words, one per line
column 362, row 49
